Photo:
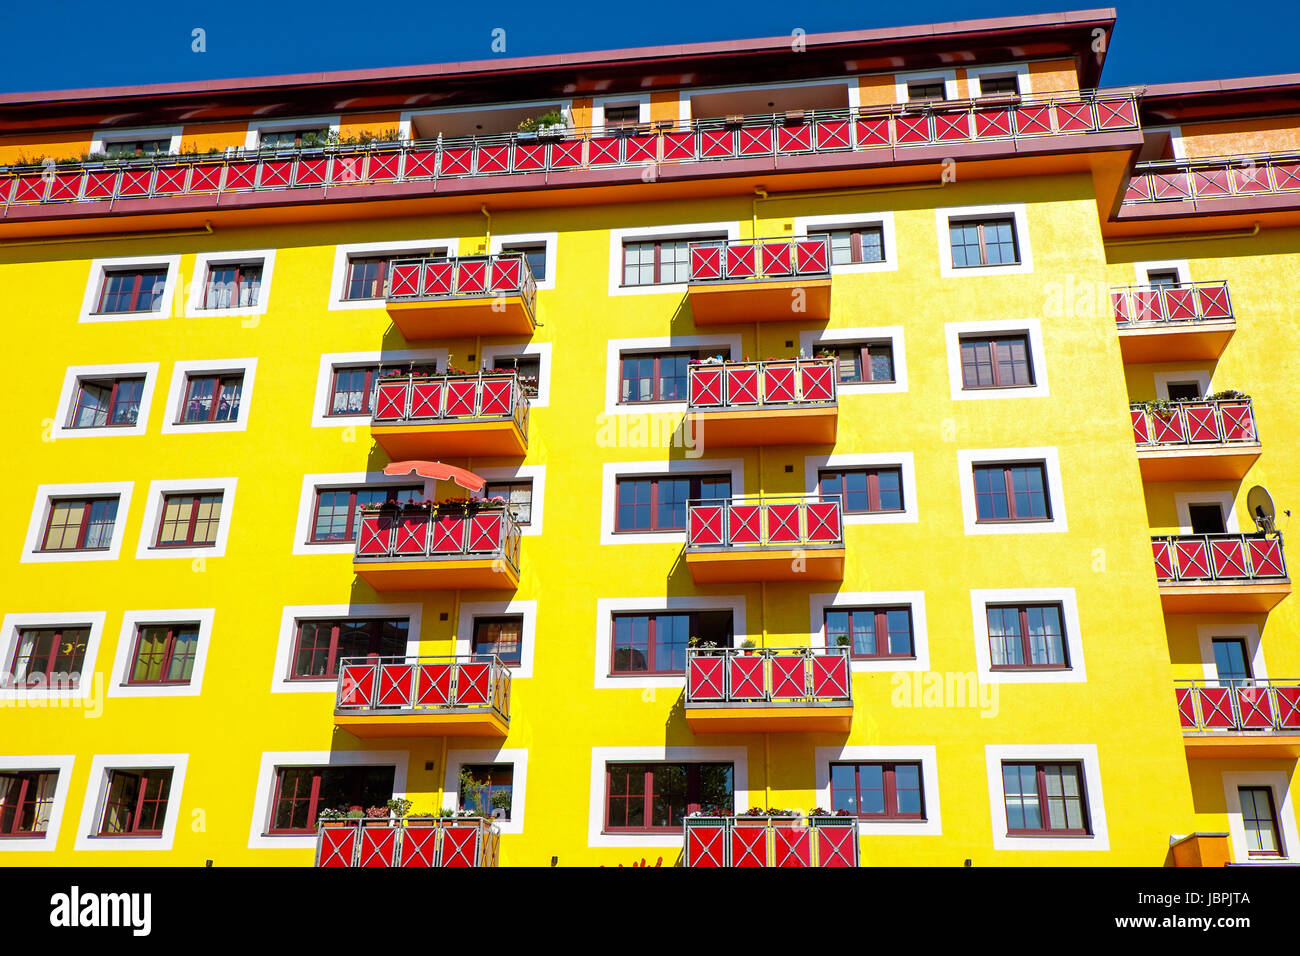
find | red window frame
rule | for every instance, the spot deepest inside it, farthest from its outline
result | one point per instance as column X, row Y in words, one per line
column 88, row 505
column 169, row 655
column 1010, row 493
column 11, row 813
column 694, row 493
column 856, row 234
column 55, row 662
column 837, row 476
column 879, row 626
column 889, row 781
column 142, row 808
column 244, row 271
column 1280, row 852
column 657, row 269
column 992, row 342
column 657, row 376
column 649, row 792
column 394, row 492
column 220, row 381
column 312, row 797
column 381, row 279
column 195, row 501
column 1026, row 647
column 503, row 489
column 501, row 622
column 371, row 376
column 1040, row 775
column 137, row 289
column 375, row 647
column 111, row 407
column 860, row 354
column 982, row 226
column 692, row 633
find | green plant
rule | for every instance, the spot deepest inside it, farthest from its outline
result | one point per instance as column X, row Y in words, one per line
column 356, row 813
column 1228, row 395
column 399, row 807
column 1161, row 407
column 534, row 123
column 470, row 789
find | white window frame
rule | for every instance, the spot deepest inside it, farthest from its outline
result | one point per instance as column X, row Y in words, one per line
column 1046, row 455
column 72, row 379
column 203, row 263
column 811, row 339
column 1247, row 633
column 292, row 614
column 60, row 763
column 611, row 471
column 925, row 755
column 549, row 239
column 1183, row 500
column 885, row 220
column 981, row 598
column 253, row 135
column 738, row 757
column 954, row 332
column 407, row 247
column 489, row 353
column 1019, row 70
column 1140, row 270
column 153, row 514
column 640, row 100
column 259, row 837
column 1084, row 754
column 606, row 608
column 179, row 385
column 1201, row 376
column 690, row 230
column 332, row 360
column 1283, row 806
column 100, row 139
column 9, row 628
column 167, row 309
column 40, row 510
column 614, row 349
column 534, row 473
column 819, row 604
column 311, row 484
column 902, row 460
column 947, row 77
column 527, row 610
column 123, row 660
column 92, row 808
column 1017, row 212
column 517, row 757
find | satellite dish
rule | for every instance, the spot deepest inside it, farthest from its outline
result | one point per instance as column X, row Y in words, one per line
column 1260, row 504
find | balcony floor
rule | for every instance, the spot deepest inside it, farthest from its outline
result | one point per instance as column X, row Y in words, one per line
column 422, row 724
column 458, row 439
column 1215, row 597
column 734, row 718
column 750, row 427
column 1246, row 745
column 1199, row 341
column 1198, row 462
column 461, row 318
column 442, row 574
column 769, row 564
column 726, row 303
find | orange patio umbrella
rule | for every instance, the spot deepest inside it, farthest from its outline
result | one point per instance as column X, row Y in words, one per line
column 437, row 471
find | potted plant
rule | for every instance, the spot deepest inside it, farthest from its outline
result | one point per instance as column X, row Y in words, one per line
column 330, row 817
column 747, row 646
column 1228, row 395
column 550, row 125
column 399, row 808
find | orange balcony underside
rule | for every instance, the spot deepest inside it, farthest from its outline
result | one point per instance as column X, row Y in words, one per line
column 1201, row 849
column 433, row 441
column 775, row 300
column 1212, row 598
column 454, row 724
column 1243, row 745
column 1197, row 462
column 770, row 564
column 765, row 426
column 769, row 718
column 1204, row 341
column 443, row 574
column 461, row 318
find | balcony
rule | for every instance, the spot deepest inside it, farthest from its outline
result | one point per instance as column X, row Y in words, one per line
column 1173, row 323
column 1208, row 573
column 777, row 402
column 765, row 538
column 1240, row 718
column 451, row 416
column 1249, row 182
column 1201, row 849
column 459, row 298
column 423, row 697
column 412, row 842
column 760, row 280
column 416, row 549
column 771, row 841
column 1200, row 440
column 768, row 690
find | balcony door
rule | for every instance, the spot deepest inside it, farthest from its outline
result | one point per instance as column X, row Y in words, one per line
column 1231, row 662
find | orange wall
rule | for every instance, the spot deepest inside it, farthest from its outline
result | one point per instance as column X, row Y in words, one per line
column 877, row 90
column 1051, row 76
column 1275, row 134
column 213, row 136
column 35, row 145
column 665, row 106
column 373, row 123
column 581, row 112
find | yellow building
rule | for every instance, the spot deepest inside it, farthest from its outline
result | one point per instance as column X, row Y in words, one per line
column 843, row 429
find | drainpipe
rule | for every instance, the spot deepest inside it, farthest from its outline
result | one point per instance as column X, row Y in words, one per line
column 1185, row 237
column 205, row 231
column 759, row 193
column 487, row 230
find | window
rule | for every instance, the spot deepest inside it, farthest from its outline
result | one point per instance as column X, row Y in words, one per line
column 212, row 398
column 132, row 149
column 132, row 290
column 878, row 791
column 48, row 656
column 79, row 524
column 502, row 636
column 337, row 515
column 996, row 362
column 1259, row 818
column 659, row 504
column 1207, row 518
column 527, row 368
column 351, row 388
column 189, row 520
column 1184, row 391
column 654, row 377
column 289, row 138
column 998, row 85
column 486, row 788
column 871, row 631
column 301, row 793
column 660, row 261
column 366, row 277
column 233, row 286
column 1011, row 493
column 862, row 362
column 622, row 117
column 658, row 796
column 137, row 802
column 518, row 495
column 856, row 244
column 26, row 802
column 864, row 490
column 107, row 402
column 535, row 254
column 924, row 90
column 321, row 644
column 656, row 643
column 1162, row 277
column 1230, row 660
column 1029, row 789
column 164, row 654
column 1026, row 636
column 983, row 242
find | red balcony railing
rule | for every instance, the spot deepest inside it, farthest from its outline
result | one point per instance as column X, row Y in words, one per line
column 778, row 382
column 333, row 169
column 420, row 535
column 487, row 396
column 471, row 277
column 394, row 686
column 1227, row 558
column 770, row 675
column 764, row 521
column 1185, row 302
column 411, row 842
column 1239, row 705
column 740, row 260
column 1199, row 422
column 771, row 841
column 1216, row 177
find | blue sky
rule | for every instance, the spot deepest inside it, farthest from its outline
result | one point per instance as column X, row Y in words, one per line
column 66, row 44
